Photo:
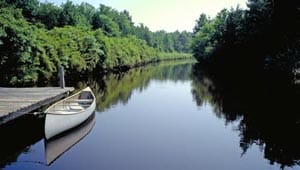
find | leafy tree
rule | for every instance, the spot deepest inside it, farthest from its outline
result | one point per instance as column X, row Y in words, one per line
column 167, row 42
column 106, row 24
column 87, row 11
column 203, row 44
column 68, row 16
column 144, row 33
column 29, row 7
column 49, row 15
column 203, row 19
column 125, row 23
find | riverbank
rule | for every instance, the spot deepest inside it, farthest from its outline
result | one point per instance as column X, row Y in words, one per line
column 162, row 58
column 83, row 80
column 69, row 74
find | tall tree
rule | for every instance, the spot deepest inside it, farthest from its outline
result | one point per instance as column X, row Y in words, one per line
column 29, row 7
column 49, row 15
column 203, row 19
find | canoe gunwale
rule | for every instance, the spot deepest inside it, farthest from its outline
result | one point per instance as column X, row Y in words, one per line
column 63, row 114
column 70, row 112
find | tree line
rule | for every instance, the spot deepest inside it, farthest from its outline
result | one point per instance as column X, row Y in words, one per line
column 36, row 38
column 264, row 36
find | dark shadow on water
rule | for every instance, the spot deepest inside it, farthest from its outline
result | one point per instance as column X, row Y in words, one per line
column 265, row 103
column 18, row 136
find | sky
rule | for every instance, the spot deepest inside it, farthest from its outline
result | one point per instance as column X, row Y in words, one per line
column 168, row 15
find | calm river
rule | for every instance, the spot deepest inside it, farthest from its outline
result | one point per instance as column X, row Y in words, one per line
column 168, row 116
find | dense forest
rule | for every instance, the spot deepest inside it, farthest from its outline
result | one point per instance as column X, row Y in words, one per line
column 264, row 36
column 37, row 38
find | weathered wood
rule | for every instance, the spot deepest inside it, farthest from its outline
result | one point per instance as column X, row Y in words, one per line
column 15, row 102
column 61, row 77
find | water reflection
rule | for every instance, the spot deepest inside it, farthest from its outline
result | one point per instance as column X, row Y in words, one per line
column 266, row 105
column 115, row 88
column 56, row 146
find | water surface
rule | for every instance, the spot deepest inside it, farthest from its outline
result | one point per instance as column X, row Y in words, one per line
column 166, row 116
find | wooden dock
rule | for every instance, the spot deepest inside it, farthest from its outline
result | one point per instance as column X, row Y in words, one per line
column 15, row 102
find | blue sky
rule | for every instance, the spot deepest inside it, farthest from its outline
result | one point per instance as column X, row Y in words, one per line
column 169, row 15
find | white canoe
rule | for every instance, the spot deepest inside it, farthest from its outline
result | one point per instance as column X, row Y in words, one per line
column 69, row 112
column 58, row 145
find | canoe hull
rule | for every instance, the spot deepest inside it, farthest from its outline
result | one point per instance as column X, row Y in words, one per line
column 56, row 124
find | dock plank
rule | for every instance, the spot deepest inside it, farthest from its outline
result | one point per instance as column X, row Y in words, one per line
column 15, row 102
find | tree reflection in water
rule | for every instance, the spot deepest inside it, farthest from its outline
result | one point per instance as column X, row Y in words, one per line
column 115, row 88
column 266, row 105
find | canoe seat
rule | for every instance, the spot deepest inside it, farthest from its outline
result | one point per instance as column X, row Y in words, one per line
column 76, row 107
column 80, row 100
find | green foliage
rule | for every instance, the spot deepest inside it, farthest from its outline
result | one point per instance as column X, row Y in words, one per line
column 29, row 7
column 49, row 14
column 18, row 46
column 109, row 27
column 174, row 55
column 112, row 22
column 33, row 53
column 87, row 11
column 40, row 37
column 203, row 42
column 163, row 41
column 203, row 19
column 69, row 15
column 127, row 51
column 74, row 48
column 267, row 32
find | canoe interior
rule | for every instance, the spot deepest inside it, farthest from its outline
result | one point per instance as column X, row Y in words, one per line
column 76, row 103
